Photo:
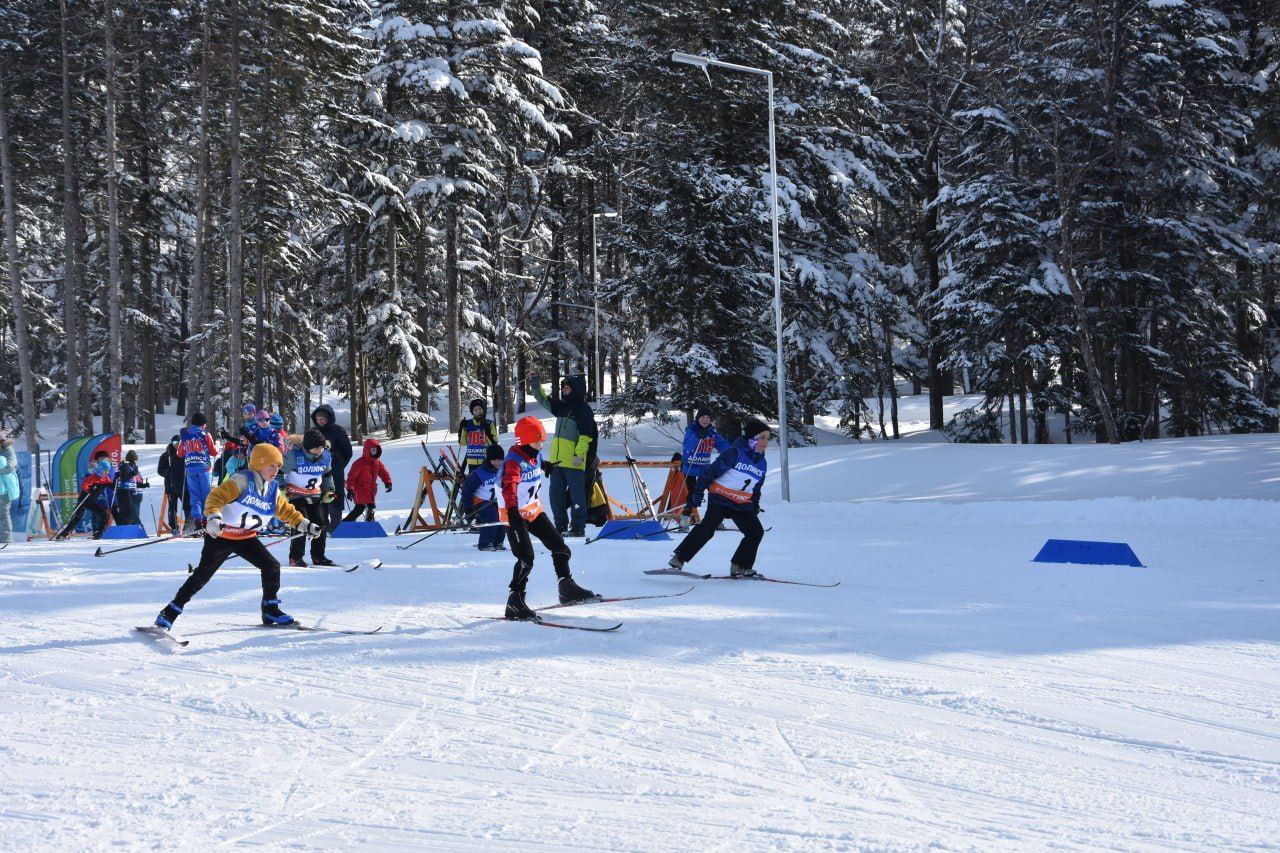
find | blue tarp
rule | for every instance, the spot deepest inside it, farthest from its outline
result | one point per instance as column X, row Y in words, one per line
column 358, row 530
column 632, row 528
column 1087, row 553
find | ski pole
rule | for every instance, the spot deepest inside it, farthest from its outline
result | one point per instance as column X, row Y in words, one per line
column 447, row 529
column 102, row 553
column 74, row 519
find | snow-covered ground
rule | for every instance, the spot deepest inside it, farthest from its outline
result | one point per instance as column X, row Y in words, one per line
column 949, row 693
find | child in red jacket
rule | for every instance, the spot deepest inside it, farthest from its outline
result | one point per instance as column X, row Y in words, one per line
column 362, row 480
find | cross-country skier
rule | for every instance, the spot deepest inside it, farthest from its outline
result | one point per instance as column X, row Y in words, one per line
column 248, row 423
column 479, row 498
column 308, row 482
column 474, row 435
column 522, row 482
column 701, row 444
column 362, row 480
column 733, row 481
column 237, row 510
column 95, row 497
column 196, row 451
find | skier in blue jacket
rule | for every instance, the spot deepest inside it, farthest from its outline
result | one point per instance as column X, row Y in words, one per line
column 702, row 442
column 734, row 481
column 479, row 498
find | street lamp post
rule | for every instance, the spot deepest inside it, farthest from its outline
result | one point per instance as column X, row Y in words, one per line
column 595, row 285
column 705, row 63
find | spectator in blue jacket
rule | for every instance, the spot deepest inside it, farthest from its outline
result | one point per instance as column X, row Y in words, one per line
column 734, row 481
column 702, row 442
column 479, row 498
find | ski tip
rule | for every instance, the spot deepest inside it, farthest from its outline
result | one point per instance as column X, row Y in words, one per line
column 98, row 553
column 375, row 564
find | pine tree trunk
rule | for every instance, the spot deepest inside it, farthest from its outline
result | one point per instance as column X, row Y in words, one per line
column 71, row 270
column 260, row 332
column 393, row 276
column 453, row 311
column 113, row 404
column 235, row 260
column 350, row 283
column 201, row 359
column 21, row 336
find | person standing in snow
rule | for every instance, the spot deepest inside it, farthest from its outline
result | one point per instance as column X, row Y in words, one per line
column 95, row 497
column 701, row 443
column 733, row 481
column 479, row 498
column 474, row 435
column 248, row 502
column 362, row 481
column 171, row 469
column 520, row 501
column 10, row 489
column 340, row 448
column 573, row 452
column 127, row 485
column 308, row 483
column 196, row 451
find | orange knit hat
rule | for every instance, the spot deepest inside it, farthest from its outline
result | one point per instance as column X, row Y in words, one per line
column 264, row 454
column 529, row 429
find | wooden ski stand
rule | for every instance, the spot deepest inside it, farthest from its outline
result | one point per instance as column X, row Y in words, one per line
column 668, row 503
column 427, row 478
column 162, row 526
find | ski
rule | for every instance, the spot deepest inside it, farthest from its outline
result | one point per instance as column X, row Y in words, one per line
column 298, row 626
column 546, row 624
column 599, row 600
column 161, row 634
column 678, row 573
column 373, row 564
column 732, row 578
column 773, row 580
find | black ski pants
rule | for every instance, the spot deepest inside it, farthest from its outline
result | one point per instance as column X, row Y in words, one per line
column 218, row 551
column 367, row 509
column 746, row 520
column 521, row 538
column 318, row 514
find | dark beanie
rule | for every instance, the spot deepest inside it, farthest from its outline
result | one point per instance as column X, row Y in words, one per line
column 753, row 427
column 313, row 438
column 478, row 402
column 494, row 452
column 702, row 410
column 176, row 439
column 198, row 419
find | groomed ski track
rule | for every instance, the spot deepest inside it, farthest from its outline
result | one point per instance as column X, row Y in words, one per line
column 948, row 694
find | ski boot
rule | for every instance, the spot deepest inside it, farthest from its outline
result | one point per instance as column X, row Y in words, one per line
column 322, row 561
column 736, row 571
column 685, row 523
column 165, row 619
column 272, row 614
column 297, row 563
column 676, row 564
column 571, row 593
column 577, row 533
column 518, row 610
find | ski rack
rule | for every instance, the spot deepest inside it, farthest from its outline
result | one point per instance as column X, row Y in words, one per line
column 445, row 472
column 668, row 503
column 162, row 526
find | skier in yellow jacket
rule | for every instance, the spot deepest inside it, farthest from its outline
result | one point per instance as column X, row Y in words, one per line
column 235, row 511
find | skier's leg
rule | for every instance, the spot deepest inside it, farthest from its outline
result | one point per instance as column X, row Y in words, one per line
column 701, row 534
column 299, row 545
column 547, row 534
column 752, row 533
column 256, row 554
column 317, row 513
column 577, row 482
column 557, row 496
column 214, row 553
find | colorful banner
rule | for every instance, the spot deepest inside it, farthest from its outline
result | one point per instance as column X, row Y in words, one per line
column 63, row 479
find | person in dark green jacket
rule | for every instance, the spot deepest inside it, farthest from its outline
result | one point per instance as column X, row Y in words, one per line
column 573, row 451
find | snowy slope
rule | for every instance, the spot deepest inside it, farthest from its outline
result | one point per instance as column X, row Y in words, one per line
column 949, row 693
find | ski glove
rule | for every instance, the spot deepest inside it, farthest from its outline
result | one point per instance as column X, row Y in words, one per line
column 328, row 498
column 516, row 521
column 213, row 526
column 388, row 488
column 310, row 529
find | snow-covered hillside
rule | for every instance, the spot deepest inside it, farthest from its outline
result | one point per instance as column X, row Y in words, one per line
column 948, row 693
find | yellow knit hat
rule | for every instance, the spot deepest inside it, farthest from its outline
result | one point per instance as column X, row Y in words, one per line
column 263, row 455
